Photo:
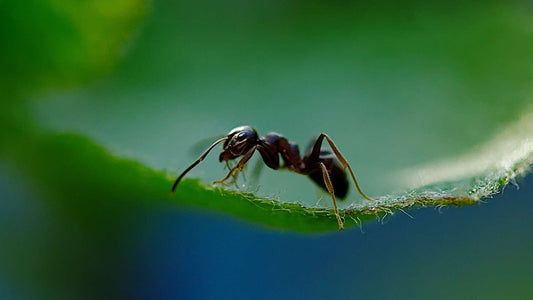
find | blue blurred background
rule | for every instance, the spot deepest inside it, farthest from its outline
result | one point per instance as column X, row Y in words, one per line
column 476, row 252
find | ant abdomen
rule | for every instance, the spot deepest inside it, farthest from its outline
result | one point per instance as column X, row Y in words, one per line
column 336, row 174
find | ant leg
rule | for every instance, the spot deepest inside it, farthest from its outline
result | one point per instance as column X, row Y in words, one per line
column 329, row 186
column 346, row 165
column 234, row 179
column 316, row 149
column 238, row 166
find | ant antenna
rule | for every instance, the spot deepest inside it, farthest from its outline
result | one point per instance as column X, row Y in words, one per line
column 197, row 162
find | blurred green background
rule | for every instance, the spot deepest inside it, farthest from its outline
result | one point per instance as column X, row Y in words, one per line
column 396, row 84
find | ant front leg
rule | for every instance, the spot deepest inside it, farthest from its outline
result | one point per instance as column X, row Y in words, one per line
column 239, row 166
column 316, row 153
column 329, row 186
column 234, row 176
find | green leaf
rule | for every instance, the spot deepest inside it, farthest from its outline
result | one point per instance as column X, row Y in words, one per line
column 74, row 168
column 430, row 104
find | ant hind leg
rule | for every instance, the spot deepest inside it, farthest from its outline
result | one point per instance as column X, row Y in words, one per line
column 316, row 152
column 329, row 186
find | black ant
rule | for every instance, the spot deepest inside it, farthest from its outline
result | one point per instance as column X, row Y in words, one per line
column 319, row 164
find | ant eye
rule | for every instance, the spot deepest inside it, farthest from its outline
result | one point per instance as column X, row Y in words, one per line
column 241, row 137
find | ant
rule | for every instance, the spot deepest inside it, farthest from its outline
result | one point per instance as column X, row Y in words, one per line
column 319, row 164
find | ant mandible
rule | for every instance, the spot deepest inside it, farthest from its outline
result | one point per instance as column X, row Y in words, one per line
column 319, row 164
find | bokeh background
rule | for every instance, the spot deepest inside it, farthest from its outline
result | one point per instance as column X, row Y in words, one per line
column 397, row 85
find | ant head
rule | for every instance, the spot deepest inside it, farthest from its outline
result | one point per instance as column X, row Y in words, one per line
column 240, row 140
